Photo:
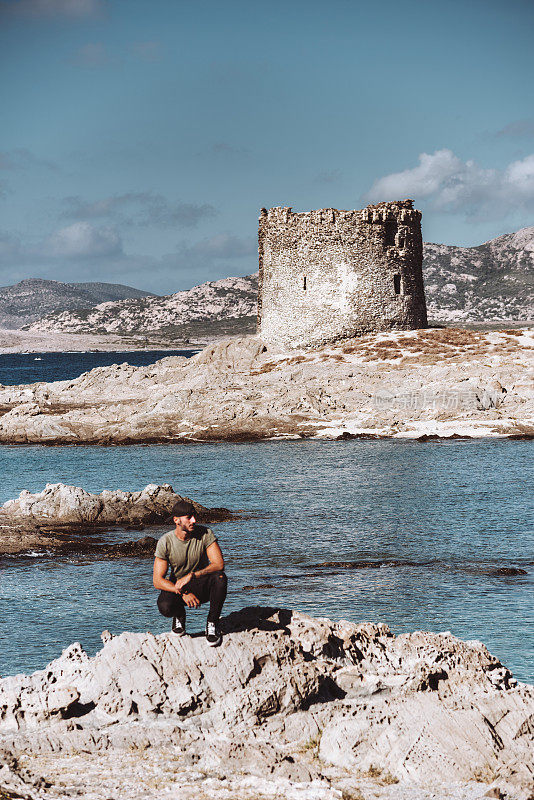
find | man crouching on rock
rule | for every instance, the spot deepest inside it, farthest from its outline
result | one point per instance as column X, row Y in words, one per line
column 197, row 575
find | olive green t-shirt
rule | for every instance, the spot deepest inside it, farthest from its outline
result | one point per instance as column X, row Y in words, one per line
column 184, row 557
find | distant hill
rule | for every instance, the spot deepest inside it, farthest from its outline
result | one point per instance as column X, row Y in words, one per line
column 32, row 299
column 229, row 299
column 491, row 282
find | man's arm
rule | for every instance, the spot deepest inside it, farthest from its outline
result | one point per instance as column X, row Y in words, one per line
column 159, row 579
column 160, row 582
column 215, row 557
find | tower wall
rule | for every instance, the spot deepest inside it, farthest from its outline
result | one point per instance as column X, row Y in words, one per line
column 330, row 274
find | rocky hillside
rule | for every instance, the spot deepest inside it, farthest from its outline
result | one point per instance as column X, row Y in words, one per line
column 288, row 706
column 494, row 281
column 227, row 299
column 403, row 384
column 31, row 299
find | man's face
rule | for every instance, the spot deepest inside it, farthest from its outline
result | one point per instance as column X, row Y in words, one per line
column 185, row 523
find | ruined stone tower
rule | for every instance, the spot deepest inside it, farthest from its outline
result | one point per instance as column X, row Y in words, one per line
column 329, row 274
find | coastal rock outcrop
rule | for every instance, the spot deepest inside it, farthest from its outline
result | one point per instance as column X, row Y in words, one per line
column 411, row 384
column 304, row 707
column 63, row 504
column 60, row 516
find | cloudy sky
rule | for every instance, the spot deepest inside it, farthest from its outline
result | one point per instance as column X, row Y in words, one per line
column 140, row 138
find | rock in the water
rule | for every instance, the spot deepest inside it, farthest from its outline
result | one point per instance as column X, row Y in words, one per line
column 286, row 701
column 59, row 517
column 60, row 504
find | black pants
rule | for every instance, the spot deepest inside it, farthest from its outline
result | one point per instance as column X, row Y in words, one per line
column 210, row 587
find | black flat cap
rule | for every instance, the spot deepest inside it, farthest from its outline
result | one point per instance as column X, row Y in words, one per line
column 183, row 508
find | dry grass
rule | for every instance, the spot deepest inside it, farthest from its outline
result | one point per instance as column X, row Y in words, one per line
column 484, row 774
column 385, row 778
column 312, row 745
column 352, row 794
column 269, row 366
column 424, row 347
column 374, row 772
column 266, row 368
column 438, row 343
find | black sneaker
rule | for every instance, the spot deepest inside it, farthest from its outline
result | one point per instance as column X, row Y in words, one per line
column 178, row 626
column 213, row 634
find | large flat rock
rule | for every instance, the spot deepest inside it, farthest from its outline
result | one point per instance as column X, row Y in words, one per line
column 437, row 382
column 291, row 704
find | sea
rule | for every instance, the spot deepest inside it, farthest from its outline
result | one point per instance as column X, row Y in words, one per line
column 16, row 368
column 412, row 534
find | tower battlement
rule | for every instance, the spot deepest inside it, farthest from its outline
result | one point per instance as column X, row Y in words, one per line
column 330, row 274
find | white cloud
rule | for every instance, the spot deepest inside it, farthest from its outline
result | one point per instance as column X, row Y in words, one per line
column 520, row 176
column 520, row 128
column 223, row 245
column 139, row 208
column 75, row 9
column 151, row 51
column 83, row 240
column 457, row 186
column 93, row 54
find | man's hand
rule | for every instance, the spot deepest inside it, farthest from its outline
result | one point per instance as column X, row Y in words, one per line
column 191, row 600
column 181, row 582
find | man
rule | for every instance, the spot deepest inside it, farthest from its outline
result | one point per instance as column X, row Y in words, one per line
column 197, row 575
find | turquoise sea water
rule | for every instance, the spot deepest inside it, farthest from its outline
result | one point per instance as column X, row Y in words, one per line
column 18, row 368
column 440, row 518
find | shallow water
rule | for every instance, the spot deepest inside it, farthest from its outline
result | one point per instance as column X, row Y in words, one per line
column 454, row 510
column 18, row 368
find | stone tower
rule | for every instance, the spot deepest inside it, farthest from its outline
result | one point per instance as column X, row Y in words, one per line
column 329, row 274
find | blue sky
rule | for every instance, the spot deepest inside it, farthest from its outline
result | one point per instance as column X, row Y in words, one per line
column 141, row 138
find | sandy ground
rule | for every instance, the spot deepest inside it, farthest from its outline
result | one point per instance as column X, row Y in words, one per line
column 16, row 341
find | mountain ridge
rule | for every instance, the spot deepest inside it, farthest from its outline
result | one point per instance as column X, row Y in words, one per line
column 493, row 281
column 24, row 302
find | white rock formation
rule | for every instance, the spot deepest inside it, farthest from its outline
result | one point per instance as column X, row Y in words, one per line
column 61, row 519
column 63, row 504
column 490, row 282
column 304, row 707
column 30, row 299
column 403, row 384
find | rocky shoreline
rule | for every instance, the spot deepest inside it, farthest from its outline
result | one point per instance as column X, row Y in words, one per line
column 288, row 706
column 14, row 340
column 66, row 519
column 405, row 384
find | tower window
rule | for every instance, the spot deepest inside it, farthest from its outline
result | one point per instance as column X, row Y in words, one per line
column 391, row 230
column 304, row 283
column 397, row 283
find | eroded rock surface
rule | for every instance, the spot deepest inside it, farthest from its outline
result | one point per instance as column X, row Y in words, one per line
column 304, row 707
column 418, row 384
column 50, row 517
